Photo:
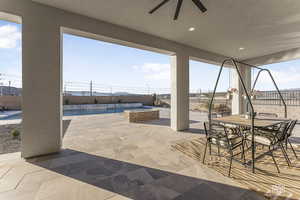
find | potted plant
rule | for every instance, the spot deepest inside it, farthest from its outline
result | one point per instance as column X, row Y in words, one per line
column 232, row 90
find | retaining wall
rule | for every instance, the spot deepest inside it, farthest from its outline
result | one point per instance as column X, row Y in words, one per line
column 102, row 106
column 15, row 102
column 75, row 100
column 11, row 102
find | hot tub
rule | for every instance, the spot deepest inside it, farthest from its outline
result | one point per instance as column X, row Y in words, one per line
column 142, row 115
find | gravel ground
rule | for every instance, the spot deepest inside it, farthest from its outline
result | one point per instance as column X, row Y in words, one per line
column 8, row 144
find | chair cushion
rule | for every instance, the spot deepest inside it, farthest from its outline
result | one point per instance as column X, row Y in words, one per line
column 228, row 125
column 233, row 139
column 260, row 139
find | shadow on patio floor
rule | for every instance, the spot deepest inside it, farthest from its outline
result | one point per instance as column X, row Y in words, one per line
column 137, row 181
column 66, row 124
column 163, row 122
column 283, row 185
column 295, row 140
column 195, row 131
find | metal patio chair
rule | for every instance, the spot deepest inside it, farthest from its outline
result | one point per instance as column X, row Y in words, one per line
column 272, row 138
column 224, row 138
column 289, row 134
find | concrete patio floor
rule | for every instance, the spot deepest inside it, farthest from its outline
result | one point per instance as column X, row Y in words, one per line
column 105, row 157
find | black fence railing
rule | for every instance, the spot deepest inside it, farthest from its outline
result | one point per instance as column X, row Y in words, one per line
column 291, row 97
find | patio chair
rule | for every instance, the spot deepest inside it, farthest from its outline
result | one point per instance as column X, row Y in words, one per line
column 272, row 138
column 222, row 137
column 289, row 134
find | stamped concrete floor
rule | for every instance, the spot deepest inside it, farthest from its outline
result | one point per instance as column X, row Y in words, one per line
column 105, row 157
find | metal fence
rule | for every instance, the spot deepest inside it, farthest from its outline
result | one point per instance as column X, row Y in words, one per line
column 291, row 97
column 11, row 85
column 93, row 88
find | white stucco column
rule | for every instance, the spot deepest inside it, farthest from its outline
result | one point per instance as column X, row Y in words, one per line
column 180, row 92
column 238, row 100
column 42, row 109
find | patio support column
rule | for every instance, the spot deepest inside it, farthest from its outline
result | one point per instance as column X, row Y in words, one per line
column 41, row 104
column 238, row 103
column 180, row 92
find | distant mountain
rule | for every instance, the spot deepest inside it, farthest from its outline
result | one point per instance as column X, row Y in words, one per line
column 123, row 94
column 84, row 93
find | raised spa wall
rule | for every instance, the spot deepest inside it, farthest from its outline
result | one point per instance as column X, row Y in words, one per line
column 142, row 115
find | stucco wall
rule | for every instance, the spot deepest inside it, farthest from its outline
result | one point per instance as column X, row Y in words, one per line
column 14, row 102
column 42, row 27
column 11, row 102
column 103, row 106
column 145, row 99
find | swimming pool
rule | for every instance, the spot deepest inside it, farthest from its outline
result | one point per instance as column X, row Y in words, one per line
column 100, row 111
column 81, row 112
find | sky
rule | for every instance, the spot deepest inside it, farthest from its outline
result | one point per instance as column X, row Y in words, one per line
column 119, row 68
column 117, row 65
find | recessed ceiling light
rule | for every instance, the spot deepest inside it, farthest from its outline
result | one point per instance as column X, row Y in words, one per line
column 241, row 48
column 191, row 28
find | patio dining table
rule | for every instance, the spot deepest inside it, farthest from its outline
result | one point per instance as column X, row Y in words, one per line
column 240, row 120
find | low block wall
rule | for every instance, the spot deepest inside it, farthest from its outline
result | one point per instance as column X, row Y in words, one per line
column 142, row 116
column 15, row 102
column 76, row 100
column 292, row 111
column 102, row 106
column 11, row 102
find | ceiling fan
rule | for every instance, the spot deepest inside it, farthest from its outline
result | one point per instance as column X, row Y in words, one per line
column 179, row 4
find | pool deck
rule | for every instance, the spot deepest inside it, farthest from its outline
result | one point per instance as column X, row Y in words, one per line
column 105, row 157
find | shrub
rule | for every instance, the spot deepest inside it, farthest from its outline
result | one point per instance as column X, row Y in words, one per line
column 15, row 133
column 67, row 102
column 222, row 108
column 206, row 105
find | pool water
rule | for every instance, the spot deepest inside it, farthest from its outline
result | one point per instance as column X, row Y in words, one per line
column 95, row 111
column 83, row 112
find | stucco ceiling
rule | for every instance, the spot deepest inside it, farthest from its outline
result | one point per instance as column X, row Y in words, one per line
column 261, row 27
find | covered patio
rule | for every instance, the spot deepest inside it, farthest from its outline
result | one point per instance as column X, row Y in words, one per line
column 105, row 157
column 117, row 160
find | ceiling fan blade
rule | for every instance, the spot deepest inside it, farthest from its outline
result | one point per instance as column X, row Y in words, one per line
column 200, row 5
column 179, row 4
column 158, row 6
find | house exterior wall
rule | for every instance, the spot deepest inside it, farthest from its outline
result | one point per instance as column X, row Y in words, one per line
column 180, row 92
column 42, row 28
column 238, row 103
